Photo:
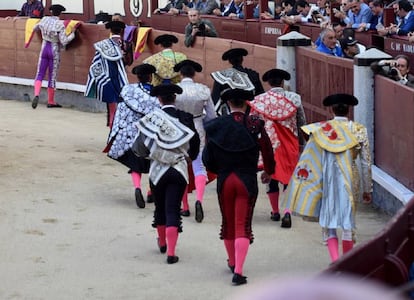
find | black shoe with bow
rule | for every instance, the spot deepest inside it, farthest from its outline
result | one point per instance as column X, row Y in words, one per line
column 239, row 279
column 286, row 221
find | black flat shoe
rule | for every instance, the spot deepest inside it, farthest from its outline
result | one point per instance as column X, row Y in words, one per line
column 139, row 199
column 239, row 279
column 35, row 101
column 199, row 214
column 150, row 199
column 275, row 216
column 172, row 259
column 286, row 221
column 185, row 213
column 163, row 249
column 54, row 105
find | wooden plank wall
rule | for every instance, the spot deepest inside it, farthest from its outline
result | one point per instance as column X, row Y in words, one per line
column 394, row 130
column 319, row 75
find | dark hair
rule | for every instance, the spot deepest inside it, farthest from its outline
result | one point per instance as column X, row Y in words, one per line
column 187, row 71
column 144, row 77
column 405, row 5
column 236, row 60
column 340, row 109
column 403, row 57
column 167, row 99
column 302, row 3
column 275, row 81
column 237, row 102
column 291, row 2
column 378, row 3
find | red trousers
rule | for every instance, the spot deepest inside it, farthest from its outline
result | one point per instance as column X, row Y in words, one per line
column 236, row 209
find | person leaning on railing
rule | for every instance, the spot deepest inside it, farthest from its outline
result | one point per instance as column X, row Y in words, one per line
column 197, row 27
column 405, row 19
column 396, row 69
column 173, row 7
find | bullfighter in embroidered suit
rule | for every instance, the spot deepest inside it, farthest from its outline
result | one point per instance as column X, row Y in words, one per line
column 107, row 74
column 323, row 185
column 232, row 150
column 283, row 113
column 168, row 137
column 165, row 60
column 137, row 102
column 236, row 77
column 54, row 39
column 196, row 100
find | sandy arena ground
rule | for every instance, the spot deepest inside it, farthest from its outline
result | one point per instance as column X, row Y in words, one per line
column 70, row 229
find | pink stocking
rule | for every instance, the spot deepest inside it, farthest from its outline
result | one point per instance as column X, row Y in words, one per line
column 200, row 184
column 171, row 233
column 37, row 87
column 136, row 179
column 229, row 245
column 241, row 246
column 274, row 201
column 50, row 96
column 333, row 248
column 347, row 246
column 161, row 235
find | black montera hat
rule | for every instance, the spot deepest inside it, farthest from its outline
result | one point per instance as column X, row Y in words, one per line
column 115, row 24
column 235, row 52
column 276, row 73
column 166, row 39
column 57, row 8
column 144, row 69
column 187, row 62
column 233, row 94
column 166, row 90
column 340, row 98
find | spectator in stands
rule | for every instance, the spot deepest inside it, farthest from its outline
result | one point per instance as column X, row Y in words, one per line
column 289, row 8
column 305, row 13
column 32, row 9
column 197, row 27
column 117, row 17
column 377, row 21
column 329, row 43
column 397, row 69
column 406, row 23
column 349, row 47
column 276, row 15
column 204, row 7
column 337, row 28
column 172, row 7
column 323, row 7
column 232, row 9
column 359, row 13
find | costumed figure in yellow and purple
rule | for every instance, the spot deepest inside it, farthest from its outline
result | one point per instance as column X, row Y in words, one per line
column 283, row 113
column 55, row 38
column 324, row 183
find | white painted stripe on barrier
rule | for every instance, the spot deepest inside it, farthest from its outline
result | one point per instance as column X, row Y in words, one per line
column 29, row 82
column 390, row 184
